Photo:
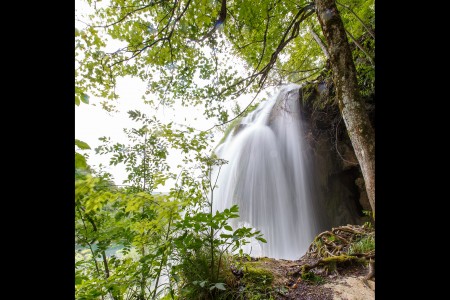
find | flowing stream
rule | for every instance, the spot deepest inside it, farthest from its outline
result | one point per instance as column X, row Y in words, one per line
column 267, row 176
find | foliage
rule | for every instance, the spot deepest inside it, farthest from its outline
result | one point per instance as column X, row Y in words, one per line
column 257, row 282
column 311, row 277
column 80, row 159
column 342, row 240
column 359, row 20
column 144, row 159
column 338, row 247
column 183, row 49
column 170, row 243
column 206, row 241
column 364, row 245
column 371, row 215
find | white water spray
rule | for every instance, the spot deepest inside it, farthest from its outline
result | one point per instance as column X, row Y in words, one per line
column 267, row 177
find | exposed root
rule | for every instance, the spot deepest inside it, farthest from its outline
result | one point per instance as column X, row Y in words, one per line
column 337, row 246
column 370, row 275
column 331, row 263
column 338, row 241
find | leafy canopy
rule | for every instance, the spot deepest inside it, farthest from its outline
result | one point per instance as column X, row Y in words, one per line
column 205, row 52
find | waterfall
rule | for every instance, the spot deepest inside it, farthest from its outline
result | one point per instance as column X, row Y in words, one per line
column 267, row 176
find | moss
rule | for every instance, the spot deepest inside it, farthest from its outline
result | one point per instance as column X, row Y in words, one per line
column 330, row 264
column 308, row 93
column 339, row 259
column 341, row 105
column 257, row 280
column 255, row 273
column 264, row 259
column 311, row 277
column 315, row 98
column 363, row 245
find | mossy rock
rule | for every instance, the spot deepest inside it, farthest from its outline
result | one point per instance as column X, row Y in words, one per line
column 257, row 281
column 265, row 278
column 255, row 273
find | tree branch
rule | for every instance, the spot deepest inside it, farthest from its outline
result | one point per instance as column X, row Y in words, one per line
column 297, row 71
column 248, row 44
column 360, row 47
column 301, row 15
column 264, row 39
column 319, row 42
column 359, row 19
column 164, row 39
column 89, row 243
column 308, row 76
column 127, row 15
column 220, row 20
column 241, row 113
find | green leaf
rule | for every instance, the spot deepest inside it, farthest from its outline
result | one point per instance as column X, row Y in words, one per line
column 82, row 145
column 261, row 239
column 228, row 227
column 234, row 208
column 80, row 161
column 220, row 286
column 85, row 98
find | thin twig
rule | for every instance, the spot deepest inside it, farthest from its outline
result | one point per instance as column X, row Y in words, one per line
column 360, row 47
column 319, row 42
column 359, row 19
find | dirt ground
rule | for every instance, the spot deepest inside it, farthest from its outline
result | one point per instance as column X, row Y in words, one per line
column 345, row 283
column 352, row 288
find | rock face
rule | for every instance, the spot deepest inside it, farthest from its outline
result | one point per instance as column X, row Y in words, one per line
column 338, row 182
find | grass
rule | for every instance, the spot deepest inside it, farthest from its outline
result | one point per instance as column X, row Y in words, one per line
column 364, row 245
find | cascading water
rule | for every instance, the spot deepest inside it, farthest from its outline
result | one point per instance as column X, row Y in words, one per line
column 267, row 177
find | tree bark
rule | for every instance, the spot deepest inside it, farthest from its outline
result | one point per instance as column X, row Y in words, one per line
column 352, row 109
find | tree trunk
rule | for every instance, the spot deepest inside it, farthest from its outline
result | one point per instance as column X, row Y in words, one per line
column 352, row 109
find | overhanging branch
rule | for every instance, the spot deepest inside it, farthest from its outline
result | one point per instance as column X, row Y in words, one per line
column 360, row 47
column 359, row 19
column 319, row 42
column 220, row 20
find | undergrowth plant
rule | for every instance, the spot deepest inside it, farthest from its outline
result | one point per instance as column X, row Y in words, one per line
column 172, row 245
column 207, row 243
